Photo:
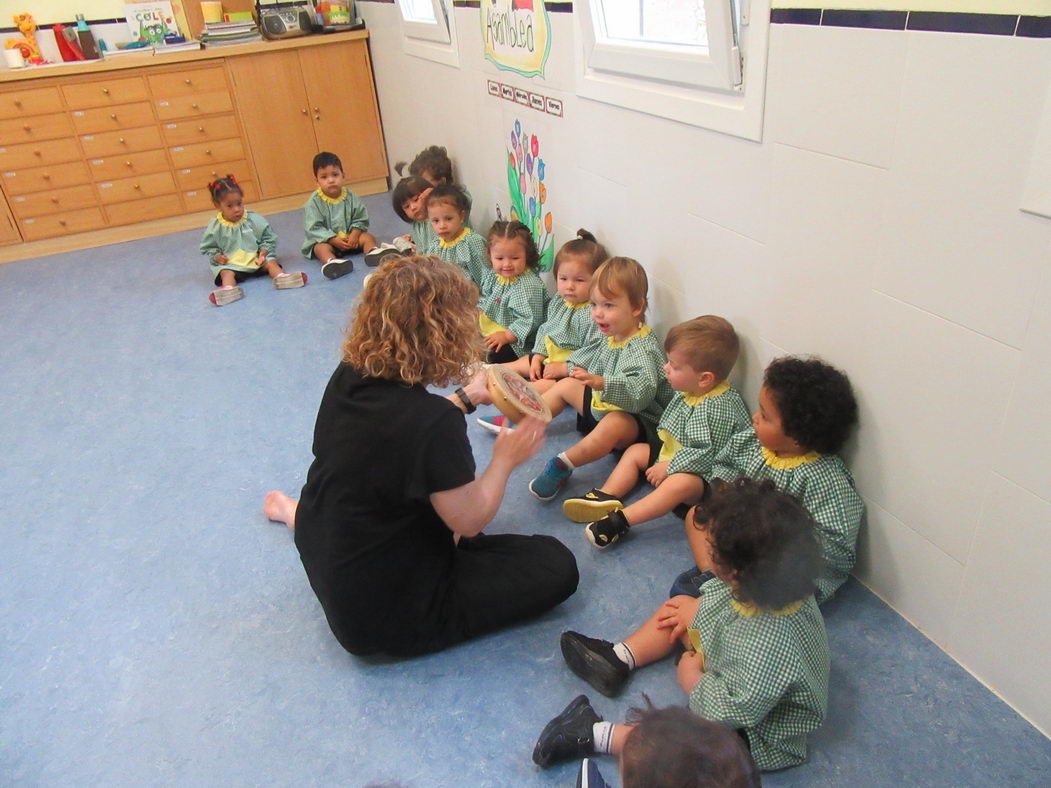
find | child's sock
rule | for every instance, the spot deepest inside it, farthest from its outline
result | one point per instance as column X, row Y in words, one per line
column 569, row 466
column 602, row 737
column 623, row 652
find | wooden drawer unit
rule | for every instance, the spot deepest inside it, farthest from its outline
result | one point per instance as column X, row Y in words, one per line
column 145, row 209
column 20, row 103
column 71, row 198
column 61, row 224
column 114, row 143
column 194, row 177
column 32, row 154
column 105, row 92
column 190, row 131
column 38, row 127
column 137, row 186
column 126, row 116
column 194, row 105
column 201, row 200
column 206, row 152
column 36, row 179
column 112, row 167
column 187, row 83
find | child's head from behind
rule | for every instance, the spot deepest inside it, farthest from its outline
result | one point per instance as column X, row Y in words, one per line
column 228, row 198
column 804, row 405
column 675, row 748
column 512, row 249
column 434, row 165
column 416, row 323
column 409, row 198
column 328, row 172
column 761, row 541
column 575, row 264
column 447, row 211
column 701, row 353
column 619, row 296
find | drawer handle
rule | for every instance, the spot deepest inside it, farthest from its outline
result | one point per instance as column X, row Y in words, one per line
column 26, row 126
column 112, row 116
column 18, row 102
column 194, row 106
column 46, row 177
column 127, row 164
column 105, row 91
column 37, row 153
column 62, row 222
column 121, row 141
column 187, row 81
column 54, row 200
column 137, row 186
column 200, row 128
column 208, row 152
column 304, row 112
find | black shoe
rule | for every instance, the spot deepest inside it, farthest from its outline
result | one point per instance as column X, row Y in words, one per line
column 595, row 661
column 608, row 530
column 568, row 736
column 591, row 506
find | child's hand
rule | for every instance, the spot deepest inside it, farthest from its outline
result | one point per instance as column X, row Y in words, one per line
column 353, row 239
column 677, row 614
column 657, row 473
column 556, row 370
column 220, row 259
column 536, row 368
column 689, row 671
column 595, row 381
column 339, row 242
column 498, row 339
column 261, row 257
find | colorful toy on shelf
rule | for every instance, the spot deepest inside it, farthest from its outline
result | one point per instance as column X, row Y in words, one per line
column 27, row 43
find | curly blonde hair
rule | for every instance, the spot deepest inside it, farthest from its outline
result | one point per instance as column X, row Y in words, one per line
column 416, row 323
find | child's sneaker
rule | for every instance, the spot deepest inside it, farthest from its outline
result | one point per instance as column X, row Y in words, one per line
column 590, row 776
column 568, row 736
column 226, row 295
column 554, row 478
column 608, row 530
column 591, row 506
column 334, row 268
column 595, row 661
column 403, row 245
column 379, row 254
column 290, row 280
column 495, row 423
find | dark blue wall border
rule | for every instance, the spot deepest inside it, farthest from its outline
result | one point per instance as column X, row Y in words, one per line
column 932, row 21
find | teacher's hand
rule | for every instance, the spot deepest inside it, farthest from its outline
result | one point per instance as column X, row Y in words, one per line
column 518, row 445
column 477, row 389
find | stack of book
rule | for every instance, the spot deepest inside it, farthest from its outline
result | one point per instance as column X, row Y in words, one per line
column 221, row 34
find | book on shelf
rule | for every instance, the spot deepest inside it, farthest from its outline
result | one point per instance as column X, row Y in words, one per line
column 109, row 54
column 182, row 46
column 151, row 20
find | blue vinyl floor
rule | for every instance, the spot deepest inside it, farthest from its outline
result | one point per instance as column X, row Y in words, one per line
column 155, row 629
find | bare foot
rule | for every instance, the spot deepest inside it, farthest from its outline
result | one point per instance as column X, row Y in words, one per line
column 279, row 508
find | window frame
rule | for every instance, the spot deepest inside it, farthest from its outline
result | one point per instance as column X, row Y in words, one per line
column 433, row 41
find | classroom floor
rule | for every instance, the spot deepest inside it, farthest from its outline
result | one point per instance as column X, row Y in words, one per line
column 156, row 629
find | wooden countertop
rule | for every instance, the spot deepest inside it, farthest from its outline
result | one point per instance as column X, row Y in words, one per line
column 125, row 62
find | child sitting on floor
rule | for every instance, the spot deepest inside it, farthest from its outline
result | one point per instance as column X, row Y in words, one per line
column 511, row 305
column 241, row 244
column 409, row 199
column 335, row 221
column 806, row 411
column 615, row 385
column 695, row 426
column 757, row 658
column 434, row 166
column 453, row 241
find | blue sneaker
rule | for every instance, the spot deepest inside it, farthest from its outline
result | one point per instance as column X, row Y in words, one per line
column 495, row 423
column 554, row 478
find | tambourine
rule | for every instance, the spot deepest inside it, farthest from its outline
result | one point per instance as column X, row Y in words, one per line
column 514, row 395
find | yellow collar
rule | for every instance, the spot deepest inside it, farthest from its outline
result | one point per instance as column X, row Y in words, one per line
column 748, row 610
column 506, row 280
column 693, row 402
column 644, row 330
column 456, row 240
column 571, row 305
column 788, row 463
column 226, row 223
column 333, row 200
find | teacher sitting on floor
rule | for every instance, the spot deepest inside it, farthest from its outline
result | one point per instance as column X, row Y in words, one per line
column 389, row 523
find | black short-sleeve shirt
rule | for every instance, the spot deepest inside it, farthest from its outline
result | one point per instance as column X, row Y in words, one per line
column 376, row 553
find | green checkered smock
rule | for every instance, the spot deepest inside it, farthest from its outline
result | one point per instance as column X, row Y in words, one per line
column 567, row 327
column 466, row 251
column 516, row 303
column 238, row 241
column 764, row 672
column 324, row 218
column 422, row 235
column 694, row 429
column 822, row 484
column 632, row 371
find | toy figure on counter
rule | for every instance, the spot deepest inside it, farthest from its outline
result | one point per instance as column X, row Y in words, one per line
column 27, row 44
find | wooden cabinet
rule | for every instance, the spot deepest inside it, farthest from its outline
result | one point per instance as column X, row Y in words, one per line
column 101, row 144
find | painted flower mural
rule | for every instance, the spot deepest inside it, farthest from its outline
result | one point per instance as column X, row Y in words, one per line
column 525, row 179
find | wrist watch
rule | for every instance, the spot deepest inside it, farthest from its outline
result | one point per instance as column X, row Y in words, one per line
column 465, row 399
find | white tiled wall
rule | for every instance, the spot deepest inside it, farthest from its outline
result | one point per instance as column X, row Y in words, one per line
column 876, row 225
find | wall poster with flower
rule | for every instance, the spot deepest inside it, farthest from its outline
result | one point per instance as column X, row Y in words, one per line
column 525, row 180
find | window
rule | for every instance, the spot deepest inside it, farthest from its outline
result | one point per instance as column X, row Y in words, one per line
column 428, row 31
column 696, row 61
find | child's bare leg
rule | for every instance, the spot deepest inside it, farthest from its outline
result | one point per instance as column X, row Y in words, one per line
column 677, row 488
column 279, row 508
column 544, row 384
column 616, row 430
column 649, row 642
column 568, row 391
column 633, row 462
column 273, row 268
column 324, row 252
column 227, row 278
column 620, row 736
column 367, row 242
column 519, row 365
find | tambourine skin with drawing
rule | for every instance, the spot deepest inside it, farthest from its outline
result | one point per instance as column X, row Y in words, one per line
column 514, row 395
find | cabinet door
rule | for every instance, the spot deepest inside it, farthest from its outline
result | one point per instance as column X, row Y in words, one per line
column 338, row 80
column 276, row 119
